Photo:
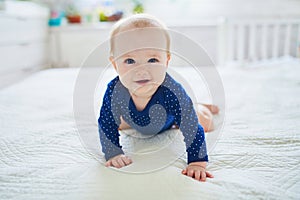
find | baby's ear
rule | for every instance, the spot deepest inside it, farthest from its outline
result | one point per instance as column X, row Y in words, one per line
column 112, row 60
column 168, row 58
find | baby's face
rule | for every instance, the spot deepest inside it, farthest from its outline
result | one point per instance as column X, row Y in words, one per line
column 142, row 71
column 141, row 59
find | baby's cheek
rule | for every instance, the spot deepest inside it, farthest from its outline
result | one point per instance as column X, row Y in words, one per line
column 159, row 73
column 122, row 71
column 126, row 81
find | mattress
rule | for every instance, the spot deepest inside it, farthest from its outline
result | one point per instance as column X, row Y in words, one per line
column 254, row 153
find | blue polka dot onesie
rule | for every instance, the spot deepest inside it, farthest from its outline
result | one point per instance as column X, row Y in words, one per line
column 170, row 105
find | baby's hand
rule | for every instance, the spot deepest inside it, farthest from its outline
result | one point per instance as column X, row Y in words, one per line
column 118, row 161
column 197, row 170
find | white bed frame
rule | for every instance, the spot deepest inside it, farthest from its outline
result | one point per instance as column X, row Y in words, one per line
column 253, row 41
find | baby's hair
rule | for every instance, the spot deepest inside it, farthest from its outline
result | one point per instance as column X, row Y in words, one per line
column 135, row 22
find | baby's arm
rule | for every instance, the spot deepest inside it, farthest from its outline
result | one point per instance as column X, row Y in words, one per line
column 109, row 135
column 197, row 156
column 194, row 138
column 109, row 138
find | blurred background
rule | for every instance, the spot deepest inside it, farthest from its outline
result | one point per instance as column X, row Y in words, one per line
column 42, row 34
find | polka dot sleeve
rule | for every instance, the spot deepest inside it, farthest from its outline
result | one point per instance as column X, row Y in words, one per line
column 108, row 126
column 185, row 117
column 193, row 133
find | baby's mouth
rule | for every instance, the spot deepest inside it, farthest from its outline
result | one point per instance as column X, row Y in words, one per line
column 142, row 82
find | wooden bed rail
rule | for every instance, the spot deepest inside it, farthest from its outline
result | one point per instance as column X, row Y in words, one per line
column 248, row 41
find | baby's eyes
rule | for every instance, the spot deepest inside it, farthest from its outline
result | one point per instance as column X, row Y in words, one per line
column 153, row 60
column 129, row 61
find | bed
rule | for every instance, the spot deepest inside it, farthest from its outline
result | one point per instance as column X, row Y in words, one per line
column 255, row 156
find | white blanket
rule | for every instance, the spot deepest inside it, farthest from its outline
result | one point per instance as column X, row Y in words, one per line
column 256, row 157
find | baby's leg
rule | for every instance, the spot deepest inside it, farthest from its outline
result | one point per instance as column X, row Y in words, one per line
column 213, row 108
column 205, row 117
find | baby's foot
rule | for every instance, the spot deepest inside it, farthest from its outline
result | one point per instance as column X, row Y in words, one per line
column 213, row 108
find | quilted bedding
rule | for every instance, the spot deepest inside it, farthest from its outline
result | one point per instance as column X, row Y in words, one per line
column 255, row 155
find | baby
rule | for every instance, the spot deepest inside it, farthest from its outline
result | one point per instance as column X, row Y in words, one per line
column 145, row 97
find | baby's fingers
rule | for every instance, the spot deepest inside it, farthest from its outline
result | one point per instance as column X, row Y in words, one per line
column 115, row 163
column 126, row 160
column 209, row 175
column 118, row 161
column 197, row 175
column 108, row 163
column 190, row 173
column 121, row 161
column 203, row 176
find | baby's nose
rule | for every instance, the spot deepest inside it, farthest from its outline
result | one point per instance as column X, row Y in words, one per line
column 142, row 73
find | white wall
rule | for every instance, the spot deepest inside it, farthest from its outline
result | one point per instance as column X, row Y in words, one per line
column 193, row 10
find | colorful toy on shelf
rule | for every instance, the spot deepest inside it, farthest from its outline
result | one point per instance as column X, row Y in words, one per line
column 114, row 17
column 55, row 18
column 138, row 7
column 108, row 12
column 72, row 14
column 74, row 18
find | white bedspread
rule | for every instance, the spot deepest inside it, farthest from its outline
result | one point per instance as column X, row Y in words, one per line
column 256, row 157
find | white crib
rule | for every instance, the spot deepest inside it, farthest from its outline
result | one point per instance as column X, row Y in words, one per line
column 253, row 41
